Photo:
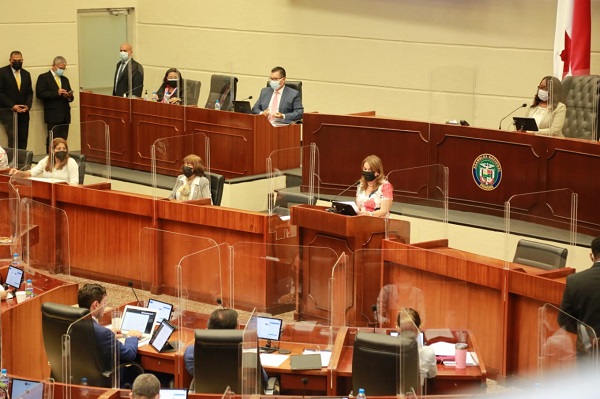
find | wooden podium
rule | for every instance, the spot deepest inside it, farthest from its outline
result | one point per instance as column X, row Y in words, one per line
column 345, row 235
column 239, row 143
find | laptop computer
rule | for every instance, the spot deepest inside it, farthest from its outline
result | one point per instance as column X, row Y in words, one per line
column 173, row 393
column 140, row 319
column 242, row 107
column 160, row 339
column 523, row 124
column 26, row 389
column 165, row 310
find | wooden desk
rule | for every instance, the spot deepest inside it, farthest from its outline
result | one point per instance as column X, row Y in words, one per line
column 530, row 163
column 240, row 143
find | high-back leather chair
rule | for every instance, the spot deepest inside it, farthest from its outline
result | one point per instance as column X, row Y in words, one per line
column 581, row 97
column 24, row 158
column 81, row 163
column 86, row 355
column 384, row 365
column 192, row 91
column 224, row 89
column 217, row 183
column 540, row 255
column 217, row 360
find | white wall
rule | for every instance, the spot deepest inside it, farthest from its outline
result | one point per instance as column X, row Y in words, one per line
column 352, row 55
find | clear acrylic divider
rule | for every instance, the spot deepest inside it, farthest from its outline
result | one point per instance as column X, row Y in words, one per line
column 567, row 348
column 95, row 135
column 452, row 95
column 549, row 216
column 19, row 195
column 284, row 186
column 409, row 378
column 9, row 121
column 251, row 372
column 421, row 192
column 10, row 229
column 168, row 180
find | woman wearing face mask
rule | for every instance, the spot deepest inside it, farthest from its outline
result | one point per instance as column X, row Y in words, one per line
column 171, row 91
column 546, row 109
column 374, row 195
column 192, row 184
column 64, row 168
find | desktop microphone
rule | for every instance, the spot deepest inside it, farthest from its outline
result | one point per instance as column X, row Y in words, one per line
column 518, row 108
column 220, row 303
column 331, row 209
column 130, row 284
column 375, row 315
column 247, row 98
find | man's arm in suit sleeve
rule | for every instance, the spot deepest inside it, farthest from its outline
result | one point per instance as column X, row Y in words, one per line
column 258, row 108
column 5, row 102
column 67, row 87
column 297, row 109
column 43, row 91
column 128, row 350
column 29, row 98
column 567, row 310
column 138, row 80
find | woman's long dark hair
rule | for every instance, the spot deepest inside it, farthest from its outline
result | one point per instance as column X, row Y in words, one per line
column 554, row 88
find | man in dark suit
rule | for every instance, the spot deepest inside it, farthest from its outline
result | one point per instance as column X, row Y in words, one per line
column 129, row 75
column 94, row 298
column 581, row 299
column 55, row 92
column 278, row 102
column 16, row 94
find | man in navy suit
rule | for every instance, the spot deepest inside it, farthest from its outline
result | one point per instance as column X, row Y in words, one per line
column 94, row 298
column 16, row 95
column 126, row 67
column 55, row 92
column 278, row 102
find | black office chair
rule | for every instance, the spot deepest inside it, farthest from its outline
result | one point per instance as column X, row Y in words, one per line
column 217, row 183
column 192, row 91
column 294, row 84
column 379, row 360
column 80, row 159
column 86, row 355
column 24, row 158
column 543, row 256
column 217, row 359
column 221, row 89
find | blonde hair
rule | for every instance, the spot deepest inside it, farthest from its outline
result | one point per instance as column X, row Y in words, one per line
column 376, row 166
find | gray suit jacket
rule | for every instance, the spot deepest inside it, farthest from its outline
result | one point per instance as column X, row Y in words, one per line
column 290, row 103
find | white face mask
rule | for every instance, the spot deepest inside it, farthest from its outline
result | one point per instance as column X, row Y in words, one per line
column 275, row 84
column 543, row 95
column 124, row 55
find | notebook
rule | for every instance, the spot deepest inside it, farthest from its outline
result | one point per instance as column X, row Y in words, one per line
column 173, row 393
column 140, row 319
column 26, row 389
column 305, row 362
column 242, row 107
column 165, row 310
column 160, row 339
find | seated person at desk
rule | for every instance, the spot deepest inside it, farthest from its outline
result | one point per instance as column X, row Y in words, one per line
column 220, row 319
column 171, row 91
column 94, row 298
column 409, row 322
column 3, row 159
column 65, row 168
column 546, row 109
column 145, row 386
column 192, row 184
column 374, row 194
column 277, row 102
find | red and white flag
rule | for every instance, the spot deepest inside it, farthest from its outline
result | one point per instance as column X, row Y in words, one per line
column 572, row 40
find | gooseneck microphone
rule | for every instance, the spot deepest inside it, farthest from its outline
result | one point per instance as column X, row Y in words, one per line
column 220, row 303
column 130, row 284
column 375, row 315
column 331, row 209
column 516, row 109
column 246, row 99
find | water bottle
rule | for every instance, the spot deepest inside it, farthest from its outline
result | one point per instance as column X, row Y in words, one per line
column 154, row 96
column 16, row 261
column 84, row 391
column 4, row 379
column 361, row 394
column 146, row 95
column 28, row 289
column 217, row 105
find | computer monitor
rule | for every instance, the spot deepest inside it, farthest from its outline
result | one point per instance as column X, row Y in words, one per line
column 268, row 328
column 173, row 393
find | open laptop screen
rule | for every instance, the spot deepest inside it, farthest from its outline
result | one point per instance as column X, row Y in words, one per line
column 173, row 393
column 26, row 389
column 138, row 318
column 14, row 277
column 164, row 309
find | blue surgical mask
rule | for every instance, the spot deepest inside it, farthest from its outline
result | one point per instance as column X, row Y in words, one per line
column 124, row 55
column 275, row 84
column 59, row 72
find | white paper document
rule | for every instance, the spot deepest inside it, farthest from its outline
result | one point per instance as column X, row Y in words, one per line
column 272, row 359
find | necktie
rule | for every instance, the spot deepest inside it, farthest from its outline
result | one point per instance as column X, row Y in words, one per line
column 274, row 105
column 57, row 80
column 121, row 67
column 18, row 78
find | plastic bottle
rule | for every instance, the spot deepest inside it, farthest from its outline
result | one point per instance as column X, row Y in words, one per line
column 28, row 289
column 154, row 96
column 16, row 262
column 361, row 394
column 84, row 391
column 4, row 379
column 217, row 105
column 146, row 95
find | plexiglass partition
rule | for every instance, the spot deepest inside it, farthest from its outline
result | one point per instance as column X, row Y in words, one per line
column 251, row 369
column 547, row 215
column 20, row 197
column 423, row 189
column 452, row 95
column 95, row 135
column 168, row 155
column 9, row 121
column 566, row 347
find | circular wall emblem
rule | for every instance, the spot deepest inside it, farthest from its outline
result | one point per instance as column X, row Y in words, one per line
column 487, row 172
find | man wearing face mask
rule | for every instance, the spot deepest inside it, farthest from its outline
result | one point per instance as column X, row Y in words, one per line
column 127, row 67
column 16, row 94
column 54, row 89
column 278, row 102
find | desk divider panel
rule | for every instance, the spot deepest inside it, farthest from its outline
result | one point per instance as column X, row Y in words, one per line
column 95, row 135
column 452, row 94
column 10, row 121
column 251, row 372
